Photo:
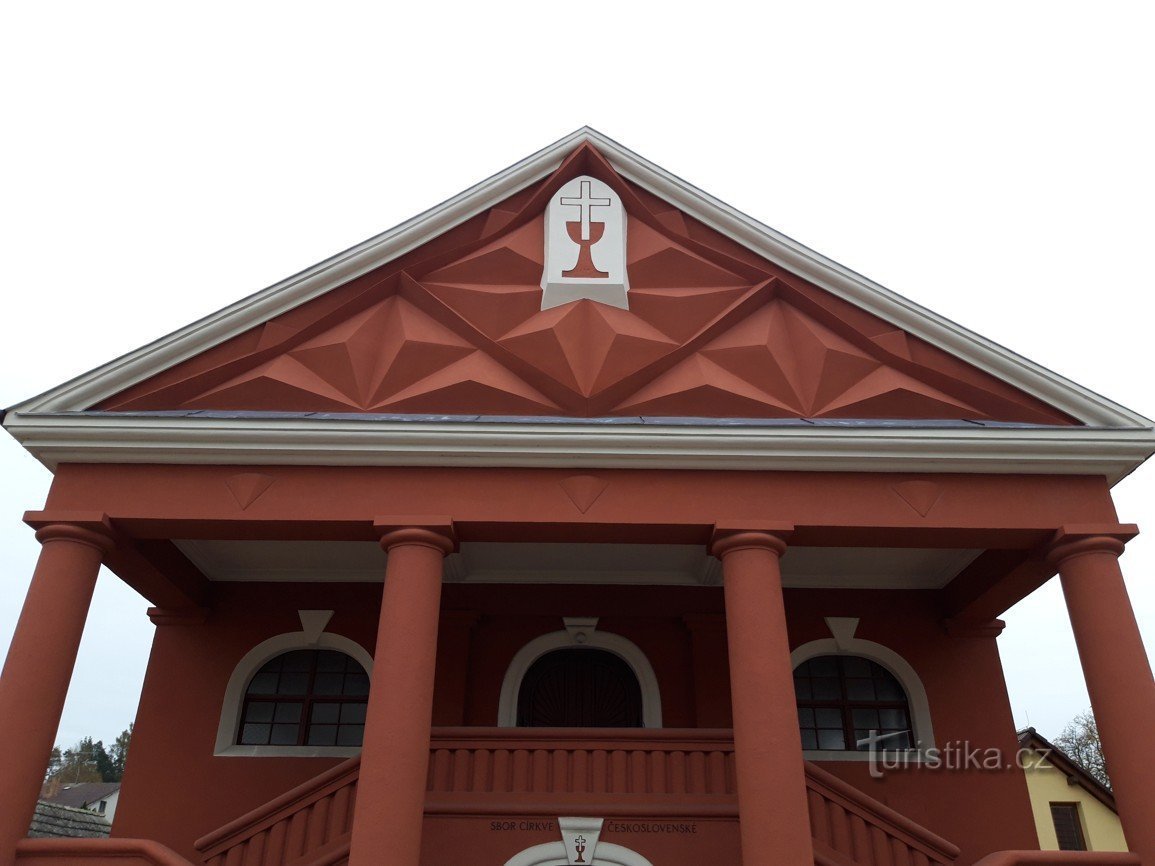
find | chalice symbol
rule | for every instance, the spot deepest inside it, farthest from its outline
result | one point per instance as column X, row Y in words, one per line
column 585, row 233
column 579, row 845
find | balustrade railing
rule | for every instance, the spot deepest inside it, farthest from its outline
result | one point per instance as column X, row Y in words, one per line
column 648, row 772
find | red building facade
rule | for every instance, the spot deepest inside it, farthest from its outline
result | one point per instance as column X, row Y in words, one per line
column 579, row 520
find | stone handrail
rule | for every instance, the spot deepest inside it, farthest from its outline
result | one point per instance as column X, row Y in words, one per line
column 1059, row 858
column 110, row 852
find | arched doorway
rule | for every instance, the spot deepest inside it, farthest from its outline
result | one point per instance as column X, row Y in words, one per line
column 580, row 687
column 554, row 854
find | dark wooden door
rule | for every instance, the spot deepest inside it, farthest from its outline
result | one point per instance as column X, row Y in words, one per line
column 579, row 688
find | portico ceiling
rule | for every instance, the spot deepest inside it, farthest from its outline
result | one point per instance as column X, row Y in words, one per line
column 638, row 564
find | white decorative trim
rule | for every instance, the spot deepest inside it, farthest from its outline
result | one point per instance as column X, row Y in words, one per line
column 843, row 629
column 323, row 441
column 554, row 854
column 607, row 254
column 580, row 838
column 90, row 388
column 579, row 634
column 845, row 644
column 234, row 698
column 587, row 832
column 313, row 624
column 579, row 628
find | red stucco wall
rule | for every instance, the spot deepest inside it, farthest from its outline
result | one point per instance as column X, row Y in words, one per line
column 175, row 790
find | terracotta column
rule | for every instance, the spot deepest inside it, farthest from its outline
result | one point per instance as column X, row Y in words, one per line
column 1118, row 675
column 772, row 805
column 395, row 755
column 39, row 666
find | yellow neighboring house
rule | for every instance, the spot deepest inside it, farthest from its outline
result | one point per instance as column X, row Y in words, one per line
column 1073, row 811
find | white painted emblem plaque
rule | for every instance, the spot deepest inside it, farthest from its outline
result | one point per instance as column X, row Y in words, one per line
column 585, row 246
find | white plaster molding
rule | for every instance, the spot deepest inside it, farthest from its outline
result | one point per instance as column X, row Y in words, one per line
column 580, row 628
column 843, row 629
column 313, row 623
column 554, row 854
column 915, row 691
column 90, row 388
column 625, row 649
column 234, row 697
column 580, row 844
column 596, row 210
column 580, row 838
column 76, row 438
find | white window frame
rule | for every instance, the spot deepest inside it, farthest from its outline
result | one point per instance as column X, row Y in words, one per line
column 580, row 633
column 234, row 698
column 845, row 644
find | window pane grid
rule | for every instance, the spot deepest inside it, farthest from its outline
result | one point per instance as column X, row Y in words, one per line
column 306, row 697
column 1068, row 827
column 843, row 700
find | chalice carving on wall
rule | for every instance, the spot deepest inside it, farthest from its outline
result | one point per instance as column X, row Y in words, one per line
column 585, row 233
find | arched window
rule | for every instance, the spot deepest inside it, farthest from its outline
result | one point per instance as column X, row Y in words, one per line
column 580, row 635
column 580, row 688
column 845, row 702
column 306, row 697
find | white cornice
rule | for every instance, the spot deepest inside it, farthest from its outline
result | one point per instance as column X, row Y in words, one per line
column 113, row 438
column 89, row 389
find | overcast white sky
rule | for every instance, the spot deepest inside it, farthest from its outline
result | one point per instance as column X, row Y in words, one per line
column 991, row 161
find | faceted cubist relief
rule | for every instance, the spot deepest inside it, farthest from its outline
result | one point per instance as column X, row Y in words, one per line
column 584, row 296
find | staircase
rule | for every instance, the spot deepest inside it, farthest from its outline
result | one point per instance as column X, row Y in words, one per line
column 658, row 772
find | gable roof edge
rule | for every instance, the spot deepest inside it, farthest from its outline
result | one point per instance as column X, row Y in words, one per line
column 90, row 388
column 1029, row 738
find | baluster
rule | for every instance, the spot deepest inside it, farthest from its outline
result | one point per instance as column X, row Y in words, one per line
column 275, row 853
column 298, row 827
column 501, row 771
column 717, row 774
column 461, row 770
column 441, row 770
column 678, row 772
column 819, row 818
column 339, row 812
column 840, row 829
column 481, row 781
column 255, row 849
column 860, row 838
column 619, row 768
column 637, row 781
column 520, row 782
column 697, row 775
column 601, row 773
column 901, row 852
column 560, row 772
column 580, row 781
column 658, row 782
column 880, row 848
column 318, row 824
column 540, row 770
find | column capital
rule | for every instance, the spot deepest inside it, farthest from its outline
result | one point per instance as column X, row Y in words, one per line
column 1079, row 539
column 92, row 528
column 423, row 531
column 744, row 535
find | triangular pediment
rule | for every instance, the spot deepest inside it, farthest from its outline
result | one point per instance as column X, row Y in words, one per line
column 456, row 326
column 715, row 317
